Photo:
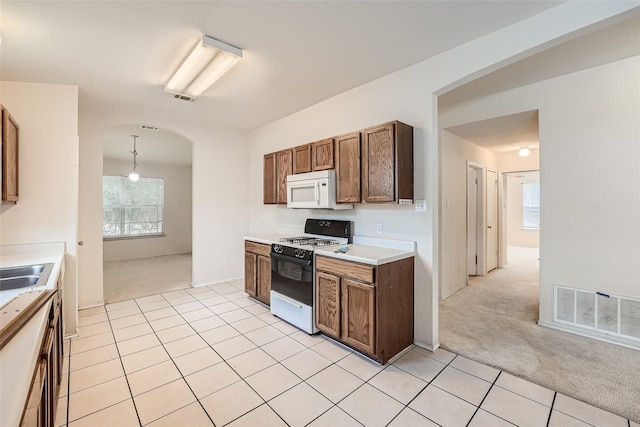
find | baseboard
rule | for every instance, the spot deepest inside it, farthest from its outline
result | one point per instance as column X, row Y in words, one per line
column 595, row 336
column 91, row 306
column 431, row 348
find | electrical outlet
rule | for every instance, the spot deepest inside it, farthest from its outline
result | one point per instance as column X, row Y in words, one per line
column 421, row 205
column 379, row 228
column 261, row 220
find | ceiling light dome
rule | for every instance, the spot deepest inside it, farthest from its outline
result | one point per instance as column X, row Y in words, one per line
column 524, row 151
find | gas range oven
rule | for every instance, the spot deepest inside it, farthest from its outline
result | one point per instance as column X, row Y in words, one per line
column 292, row 276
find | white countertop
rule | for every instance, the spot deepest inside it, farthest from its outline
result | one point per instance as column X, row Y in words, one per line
column 19, row 355
column 267, row 239
column 21, row 259
column 367, row 250
column 374, row 251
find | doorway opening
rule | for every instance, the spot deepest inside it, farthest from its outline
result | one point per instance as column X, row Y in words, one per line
column 147, row 223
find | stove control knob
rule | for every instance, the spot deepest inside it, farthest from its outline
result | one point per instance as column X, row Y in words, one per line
column 277, row 249
column 299, row 253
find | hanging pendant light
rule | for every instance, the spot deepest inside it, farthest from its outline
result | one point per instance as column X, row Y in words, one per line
column 133, row 176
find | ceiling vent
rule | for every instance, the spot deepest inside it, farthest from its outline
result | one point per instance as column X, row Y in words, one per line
column 146, row 127
column 185, row 97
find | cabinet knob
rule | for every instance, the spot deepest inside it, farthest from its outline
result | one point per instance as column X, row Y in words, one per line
column 80, row 243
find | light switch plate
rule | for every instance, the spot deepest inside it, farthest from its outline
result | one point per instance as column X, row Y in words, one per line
column 421, row 205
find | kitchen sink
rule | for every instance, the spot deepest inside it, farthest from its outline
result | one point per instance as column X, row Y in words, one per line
column 18, row 282
column 24, row 276
column 20, row 271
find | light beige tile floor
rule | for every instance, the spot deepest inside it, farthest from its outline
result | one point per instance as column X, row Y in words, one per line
column 211, row 356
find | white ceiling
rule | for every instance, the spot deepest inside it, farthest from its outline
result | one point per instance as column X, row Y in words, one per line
column 502, row 134
column 296, row 53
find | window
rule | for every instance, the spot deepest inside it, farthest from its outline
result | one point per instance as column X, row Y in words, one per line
column 531, row 206
column 131, row 209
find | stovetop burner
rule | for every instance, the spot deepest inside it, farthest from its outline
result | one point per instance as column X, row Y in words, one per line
column 310, row 241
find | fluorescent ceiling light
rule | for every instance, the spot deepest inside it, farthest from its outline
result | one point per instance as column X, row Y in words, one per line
column 206, row 63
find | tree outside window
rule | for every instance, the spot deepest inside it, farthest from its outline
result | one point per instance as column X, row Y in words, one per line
column 131, row 209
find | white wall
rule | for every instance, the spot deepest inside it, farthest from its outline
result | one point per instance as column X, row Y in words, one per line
column 590, row 182
column 48, row 175
column 177, row 212
column 220, row 179
column 408, row 96
column 456, row 152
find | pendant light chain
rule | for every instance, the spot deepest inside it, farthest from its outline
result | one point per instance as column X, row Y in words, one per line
column 133, row 176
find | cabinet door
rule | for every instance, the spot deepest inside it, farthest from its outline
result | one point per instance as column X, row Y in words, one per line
column 378, row 164
column 302, row 159
column 328, row 304
column 284, row 167
column 269, row 179
column 358, row 315
column 348, row 168
column 263, row 286
column 322, row 155
column 250, row 273
column 10, row 139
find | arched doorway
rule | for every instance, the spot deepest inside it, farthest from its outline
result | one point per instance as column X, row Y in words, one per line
column 146, row 224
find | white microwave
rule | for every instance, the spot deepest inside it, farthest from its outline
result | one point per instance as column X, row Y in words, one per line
column 313, row 190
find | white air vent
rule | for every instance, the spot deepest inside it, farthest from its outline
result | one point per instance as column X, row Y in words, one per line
column 611, row 314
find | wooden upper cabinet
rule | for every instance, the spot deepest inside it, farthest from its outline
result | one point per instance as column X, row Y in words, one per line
column 10, row 140
column 269, row 179
column 322, row 155
column 348, row 168
column 284, row 167
column 302, row 158
column 387, row 163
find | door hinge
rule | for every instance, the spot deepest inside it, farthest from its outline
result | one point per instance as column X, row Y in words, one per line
column 476, row 259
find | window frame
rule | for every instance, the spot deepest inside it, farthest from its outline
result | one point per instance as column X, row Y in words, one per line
column 122, row 206
column 527, row 206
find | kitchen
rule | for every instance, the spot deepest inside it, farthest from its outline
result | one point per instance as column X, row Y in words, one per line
column 405, row 95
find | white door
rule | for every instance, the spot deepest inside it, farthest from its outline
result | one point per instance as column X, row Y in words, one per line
column 492, row 220
column 472, row 221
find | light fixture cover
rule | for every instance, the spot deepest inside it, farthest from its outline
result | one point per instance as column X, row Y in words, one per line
column 206, row 63
column 524, row 152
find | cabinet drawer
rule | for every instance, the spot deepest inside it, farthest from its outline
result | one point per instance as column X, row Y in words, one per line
column 353, row 270
column 257, row 248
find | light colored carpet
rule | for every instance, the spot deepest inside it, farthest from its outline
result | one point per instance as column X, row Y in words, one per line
column 135, row 278
column 493, row 321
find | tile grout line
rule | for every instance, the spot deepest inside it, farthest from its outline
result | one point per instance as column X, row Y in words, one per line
column 423, row 388
column 66, row 422
column 135, row 407
column 484, row 398
column 553, row 402
column 174, row 364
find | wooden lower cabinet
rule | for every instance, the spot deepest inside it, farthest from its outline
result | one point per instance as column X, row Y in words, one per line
column 328, row 299
column 40, row 408
column 369, row 308
column 358, row 315
column 257, row 271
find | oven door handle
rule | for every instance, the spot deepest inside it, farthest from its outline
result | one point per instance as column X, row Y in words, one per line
column 288, row 300
column 290, row 259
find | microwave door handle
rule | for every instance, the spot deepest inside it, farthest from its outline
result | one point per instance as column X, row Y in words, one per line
column 317, row 192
